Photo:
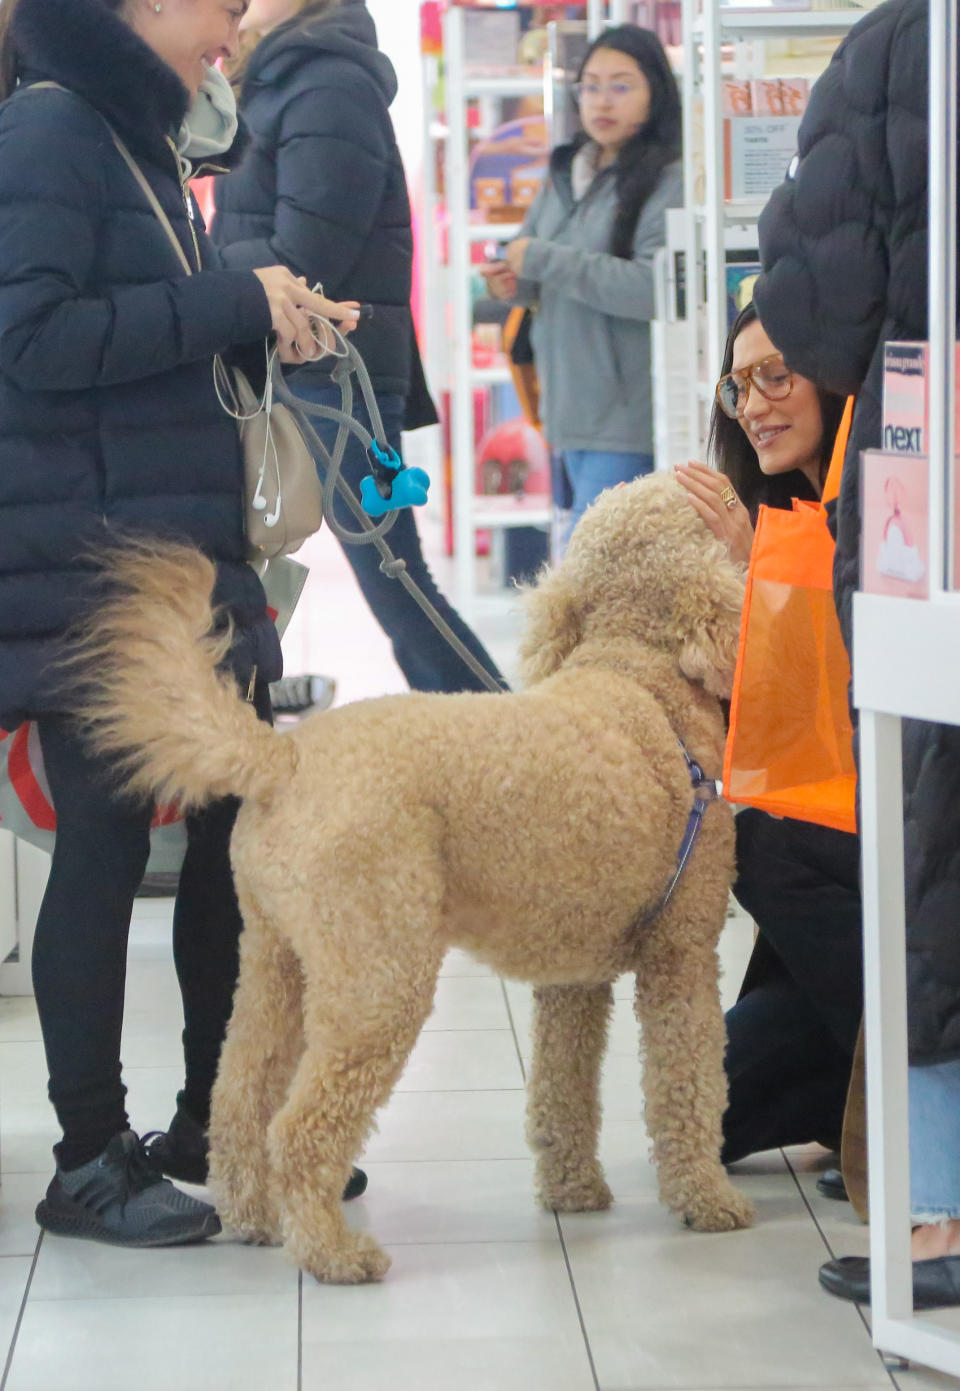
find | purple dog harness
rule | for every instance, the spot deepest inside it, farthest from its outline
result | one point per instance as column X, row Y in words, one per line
column 704, row 792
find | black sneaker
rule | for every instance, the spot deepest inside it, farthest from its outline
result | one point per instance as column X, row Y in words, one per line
column 122, row 1198
column 294, row 695
column 182, row 1153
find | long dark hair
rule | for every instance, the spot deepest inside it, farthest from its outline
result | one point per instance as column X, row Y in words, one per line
column 658, row 143
column 731, row 451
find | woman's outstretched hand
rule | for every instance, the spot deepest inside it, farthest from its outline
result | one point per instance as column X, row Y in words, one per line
column 501, row 281
column 711, row 494
column 292, row 307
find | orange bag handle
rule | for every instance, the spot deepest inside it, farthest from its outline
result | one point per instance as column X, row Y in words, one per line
column 831, row 486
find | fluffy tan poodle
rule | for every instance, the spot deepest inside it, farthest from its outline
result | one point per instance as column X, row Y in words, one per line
column 536, row 830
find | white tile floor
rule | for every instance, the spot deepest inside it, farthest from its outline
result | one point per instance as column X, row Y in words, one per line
column 486, row 1292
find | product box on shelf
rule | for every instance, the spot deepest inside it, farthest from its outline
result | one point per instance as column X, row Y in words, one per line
column 905, row 397
column 507, row 168
column 894, row 550
column 761, row 117
column 741, row 278
column 896, row 479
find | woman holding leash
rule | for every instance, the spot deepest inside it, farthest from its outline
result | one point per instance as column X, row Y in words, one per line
column 315, row 91
column 109, row 424
column 584, row 261
column 792, row 1033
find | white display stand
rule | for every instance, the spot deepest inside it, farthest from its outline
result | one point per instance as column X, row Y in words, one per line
column 906, row 663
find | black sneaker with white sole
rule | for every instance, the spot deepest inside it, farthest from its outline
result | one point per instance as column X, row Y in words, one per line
column 122, row 1198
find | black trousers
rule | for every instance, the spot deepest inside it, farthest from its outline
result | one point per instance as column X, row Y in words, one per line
column 80, row 947
column 792, row 1033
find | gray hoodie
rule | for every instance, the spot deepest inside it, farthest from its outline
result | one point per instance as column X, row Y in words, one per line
column 591, row 326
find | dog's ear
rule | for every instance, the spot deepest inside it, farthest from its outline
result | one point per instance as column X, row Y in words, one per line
column 552, row 629
column 709, row 654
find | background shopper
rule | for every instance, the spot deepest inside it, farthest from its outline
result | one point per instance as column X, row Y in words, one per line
column 109, row 423
column 844, row 249
column 322, row 189
column 791, row 1034
column 584, row 261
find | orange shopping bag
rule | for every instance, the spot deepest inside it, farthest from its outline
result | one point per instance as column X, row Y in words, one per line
column 789, row 747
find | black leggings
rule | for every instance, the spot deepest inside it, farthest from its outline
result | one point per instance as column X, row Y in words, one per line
column 80, row 947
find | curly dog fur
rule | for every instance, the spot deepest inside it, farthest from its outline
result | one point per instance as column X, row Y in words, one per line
column 536, row 830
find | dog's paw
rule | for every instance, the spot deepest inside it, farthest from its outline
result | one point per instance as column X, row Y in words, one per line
column 586, row 1191
column 723, row 1209
column 249, row 1215
column 354, row 1262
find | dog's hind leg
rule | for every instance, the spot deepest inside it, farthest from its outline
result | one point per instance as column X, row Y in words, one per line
column 563, row 1095
column 262, row 1048
column 685, row 1087
column 359, row 1030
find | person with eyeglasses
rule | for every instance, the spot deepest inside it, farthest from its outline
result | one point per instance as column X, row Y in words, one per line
column 584, row 262
column 791, row 1035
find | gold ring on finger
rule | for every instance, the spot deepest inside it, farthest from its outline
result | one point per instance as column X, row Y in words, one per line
column 728, row 497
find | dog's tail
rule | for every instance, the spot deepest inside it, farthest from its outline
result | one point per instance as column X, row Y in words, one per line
column 153, row 698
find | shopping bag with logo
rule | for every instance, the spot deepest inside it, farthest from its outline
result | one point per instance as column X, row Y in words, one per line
column 789, row 749
column 26, row 807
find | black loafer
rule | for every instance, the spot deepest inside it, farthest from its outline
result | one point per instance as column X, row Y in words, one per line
column 936, row 1283
column 831, row 1185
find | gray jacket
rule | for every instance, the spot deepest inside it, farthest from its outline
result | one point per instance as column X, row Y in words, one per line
column 591, row 326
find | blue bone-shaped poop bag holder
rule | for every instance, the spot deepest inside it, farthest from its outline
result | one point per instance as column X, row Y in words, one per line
column 406, row 488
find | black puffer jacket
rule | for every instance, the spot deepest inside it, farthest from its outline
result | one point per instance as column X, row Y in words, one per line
column 108, row 417
column 322, row 188
column 844, row 247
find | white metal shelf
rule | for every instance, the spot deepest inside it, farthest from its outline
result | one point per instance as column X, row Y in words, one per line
column 743, row 24
column 504, row 510
column 490, row 376
column 525, row 86
column 735, row 210
column 493, row 231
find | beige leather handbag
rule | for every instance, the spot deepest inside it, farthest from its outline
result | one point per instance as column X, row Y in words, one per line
column 282, row 493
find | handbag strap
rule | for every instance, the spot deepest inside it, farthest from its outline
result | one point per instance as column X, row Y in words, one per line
column 137, row 173
column 831, row 487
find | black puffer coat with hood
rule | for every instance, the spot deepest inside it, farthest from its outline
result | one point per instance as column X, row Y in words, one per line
column 322, row 188
column 109, row 422
column 844, row 247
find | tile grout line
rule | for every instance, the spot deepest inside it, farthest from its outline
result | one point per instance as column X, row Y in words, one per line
column 299, row 1331
column 833, row 1256
column 20, row 1313
column 576, row 1303
column 556, row 1215
column 513, row 1030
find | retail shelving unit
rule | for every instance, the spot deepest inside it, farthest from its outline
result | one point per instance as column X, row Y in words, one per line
column 712, row 225
column 470, row 512
column 906, row 664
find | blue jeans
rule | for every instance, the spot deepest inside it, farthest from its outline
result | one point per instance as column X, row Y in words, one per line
column 591, row 471
column 935, row 1142
column 426, row 659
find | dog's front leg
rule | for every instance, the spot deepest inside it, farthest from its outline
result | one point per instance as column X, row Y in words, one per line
column 684, row 1083
column 563, row 1102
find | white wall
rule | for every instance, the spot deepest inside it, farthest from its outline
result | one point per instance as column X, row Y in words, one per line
column 398, row 28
